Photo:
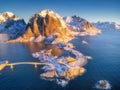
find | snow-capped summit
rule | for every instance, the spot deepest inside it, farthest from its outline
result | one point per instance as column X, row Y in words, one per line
column 47, row 12
column 11, row 26
column 73, row 19
column 43, row 13
column 8, row 16
column 75, row 22
column 46, row 25
column 81, row 25
column 107, row 25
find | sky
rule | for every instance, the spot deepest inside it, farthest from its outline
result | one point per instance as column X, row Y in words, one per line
column 91, row 10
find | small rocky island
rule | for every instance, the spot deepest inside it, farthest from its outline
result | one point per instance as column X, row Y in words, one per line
column 62, row 68
column 103, row 84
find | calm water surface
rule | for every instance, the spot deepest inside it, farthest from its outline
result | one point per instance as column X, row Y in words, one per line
column 104, row 49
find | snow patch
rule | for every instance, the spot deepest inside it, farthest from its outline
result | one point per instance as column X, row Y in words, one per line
column 107, row 25
column 63, row 68
column 51, row 13
column 103, row 84
column 81, row 26
column 8, row 16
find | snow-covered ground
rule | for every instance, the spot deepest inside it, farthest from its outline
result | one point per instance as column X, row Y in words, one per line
column 63, row 68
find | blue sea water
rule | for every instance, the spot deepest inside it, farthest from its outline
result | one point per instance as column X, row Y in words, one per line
column 105, row 65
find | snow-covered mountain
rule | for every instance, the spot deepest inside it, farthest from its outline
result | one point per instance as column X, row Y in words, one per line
column 107, row 25
column 81, row 25
column 8, row 16
column 11, row 25
column 46, row 25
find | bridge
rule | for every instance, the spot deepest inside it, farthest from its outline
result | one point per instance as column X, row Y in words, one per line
column 31, row 63
column 11, row 65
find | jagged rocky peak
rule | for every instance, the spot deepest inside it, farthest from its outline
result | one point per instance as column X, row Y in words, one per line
column 11, row 25
column 49, row 13
column 74, row 20
column 79, row 24
column 47, row 22
column 46, row 26
column 8, row 16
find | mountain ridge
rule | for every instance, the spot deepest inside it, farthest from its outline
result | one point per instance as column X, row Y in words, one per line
column 8, row 16
column 81, row 25
column 48, row 25
column 107, row 25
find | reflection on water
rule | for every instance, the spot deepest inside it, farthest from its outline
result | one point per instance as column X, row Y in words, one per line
column 10, row 50
column 23, row 77
column 4, row 37
column 36, row 47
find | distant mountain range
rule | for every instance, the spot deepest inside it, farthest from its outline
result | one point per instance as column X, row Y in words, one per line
column 107, row 25
column 46, row 26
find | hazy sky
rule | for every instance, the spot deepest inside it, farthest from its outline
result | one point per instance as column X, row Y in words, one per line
column 92, row 10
